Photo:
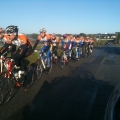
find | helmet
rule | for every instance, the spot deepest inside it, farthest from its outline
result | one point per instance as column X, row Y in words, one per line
column 42, row 30
column 53, row 34
column 12, row 29
column 2, row 30
column 65, row 35
column 87, row 36
column 71, row 36
column 61, row 37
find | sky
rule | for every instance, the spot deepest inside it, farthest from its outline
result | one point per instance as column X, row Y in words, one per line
column 61, row 16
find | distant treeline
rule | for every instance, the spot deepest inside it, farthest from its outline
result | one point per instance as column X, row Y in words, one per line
column 35, row 35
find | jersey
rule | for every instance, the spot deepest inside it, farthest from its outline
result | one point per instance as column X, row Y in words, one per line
column 91, row 41
column 45, row 40
column 55, row 42
column 86, row 42
column 77, row 42
column 67, row 43
column 21, row 40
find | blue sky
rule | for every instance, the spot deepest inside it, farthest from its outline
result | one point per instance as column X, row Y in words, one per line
column 61, row 16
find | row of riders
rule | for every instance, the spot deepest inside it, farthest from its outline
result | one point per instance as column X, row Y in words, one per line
column 75, row 46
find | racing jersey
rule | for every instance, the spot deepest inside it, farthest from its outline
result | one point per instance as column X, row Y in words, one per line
column 55, row 42
column 91, row 42
column 77, row 42
column 72, row 41
column 21, row 40
column 45, row 40
column 64, row 42
column 67, row 43
column 86, row 42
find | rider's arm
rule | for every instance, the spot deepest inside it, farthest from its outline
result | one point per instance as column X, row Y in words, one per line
column 36, row 42
column 63, row 42
column 81, row 43
column 57, row 42
column 73, row 44
column 49, row 40
column 69, row 44
column 92, row 42
column 2, row 41
column 8, row 47
column 4, row 48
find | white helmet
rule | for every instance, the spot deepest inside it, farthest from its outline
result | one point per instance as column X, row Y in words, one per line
column 42, row 30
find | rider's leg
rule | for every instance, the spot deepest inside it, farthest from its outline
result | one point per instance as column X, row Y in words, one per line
column 76, row 51
column 55, row 52
column 84, row 50
column 20, row 54
column 88, row 49
column 18, row 57
column 43, row 50
column 69, row 53
column 91, row 48
column 53, row 49
column 48, row 53
column 66, row 54
column 79, row 52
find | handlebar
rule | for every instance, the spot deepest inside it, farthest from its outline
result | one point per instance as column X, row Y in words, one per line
column 6, row 62
column 4, row 53
column 3, row 58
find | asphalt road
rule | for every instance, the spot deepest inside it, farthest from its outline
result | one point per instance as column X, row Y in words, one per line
column 80, row 91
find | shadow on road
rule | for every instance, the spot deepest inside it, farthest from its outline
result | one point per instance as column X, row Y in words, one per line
column 77, row 97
